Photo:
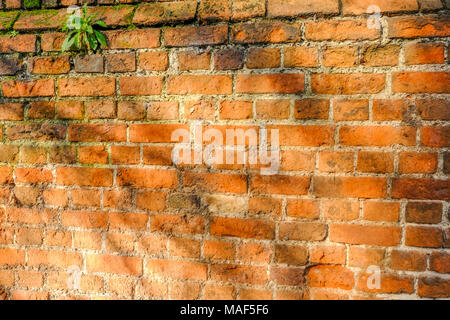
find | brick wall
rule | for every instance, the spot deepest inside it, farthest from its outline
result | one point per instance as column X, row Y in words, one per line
column 88, row 184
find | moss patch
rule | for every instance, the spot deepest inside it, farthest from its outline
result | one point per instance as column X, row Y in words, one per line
column 30, row 4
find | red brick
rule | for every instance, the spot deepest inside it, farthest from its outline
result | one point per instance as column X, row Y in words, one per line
column 271, row 83
column 365, row 234
column 292, row 8
column 433, row 287
column 293, row 160
column 272, row 109
column 153, row 61
column 33, row 175
column 433, row 109
column 262, row 58
column 19, row 43
column 380, row 55
column 349, row 187
column 377, row 136
column 100, row 109
column 418, row 26
column 72, row 110
column 93, row 154
column 304, row 135
column 408, row 260
column 85, row 197
column 118, row 198
column 176, row 269
column 11, row 111
column 177, row 224
column 244, row 228
column 391, row 109
column 279, row 184
column 389, row 283
column 121, row 62
column 352, row 7
column 38, row 88
column 426, row 237
column 330, row 161
column 146, row 178
column 30, row 216
column 33, row 155
column 55, row 197
column 217, row 182
column 287, row 276
column 195, row 36
column 133, row 39
column 348, row 110
column 266, row 32
column 340, row 30
column 346, row 84
column 410, row 162
column 343, row 210
column 245, row 9
column 157, row 13
column 113, row 264
column 84, row 176
column 214, row 10
column 140, row 86
column 41, row 110
column 291, row 255
column 330, row 277
column 49, row 65
column 128, row 221
column 301, row 57
column 56, row 259
column 239, row 274
column 420, row 188
column 326, row 254
column 89, row 63
column 86, row 87
column 199, row 84
column 421, row 82
column 436, row 137
column 229, row 59
column 381, row 211
column 153, row 132
column 199, row 109
column 232, row 109
column 424, row 53
column 187, row 248
column 306, row 209
column 265, row 207
column 194, row 60
column 440, row 262
column 302, row 231
column 375, row 162
column 85, row 219
column 340, row 56
column 97, row 132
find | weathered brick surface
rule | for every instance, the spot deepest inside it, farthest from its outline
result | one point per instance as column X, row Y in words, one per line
column 88, row 178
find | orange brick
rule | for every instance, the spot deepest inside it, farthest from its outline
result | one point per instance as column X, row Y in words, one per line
column 365, row 234
column 424, row 53
column 381, row 211
column 427, row 237
column 243, row 228
column 408, row 260
column 113, row 264
column 271, row 83
column 342, row 210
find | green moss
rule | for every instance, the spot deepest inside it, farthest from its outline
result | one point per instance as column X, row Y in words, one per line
column 29, row 4
column 7, row 19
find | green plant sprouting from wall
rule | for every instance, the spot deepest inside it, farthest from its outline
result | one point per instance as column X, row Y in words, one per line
column 82, row 33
